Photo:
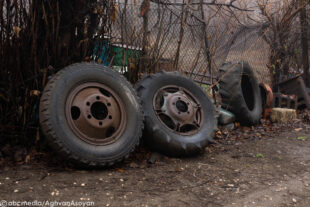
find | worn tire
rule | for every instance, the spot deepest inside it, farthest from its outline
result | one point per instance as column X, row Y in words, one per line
column 55, row 124
column 240, row 92
column 157, row 135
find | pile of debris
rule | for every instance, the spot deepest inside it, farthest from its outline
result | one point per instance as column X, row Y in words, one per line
column 279, row 105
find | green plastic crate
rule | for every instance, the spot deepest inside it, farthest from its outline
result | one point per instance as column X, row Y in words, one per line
column 123, row 52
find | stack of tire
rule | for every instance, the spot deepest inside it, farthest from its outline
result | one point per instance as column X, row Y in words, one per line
column 93, row 117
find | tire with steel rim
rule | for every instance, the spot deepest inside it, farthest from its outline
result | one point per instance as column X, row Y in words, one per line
column 179, row 116
column 91, row 115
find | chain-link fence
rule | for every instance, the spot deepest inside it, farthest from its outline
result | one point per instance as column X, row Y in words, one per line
column 195, row 41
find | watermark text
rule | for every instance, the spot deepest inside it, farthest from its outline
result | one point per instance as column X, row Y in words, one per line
column 47, row 203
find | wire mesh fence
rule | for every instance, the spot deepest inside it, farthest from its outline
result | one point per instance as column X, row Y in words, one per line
column 185, row 39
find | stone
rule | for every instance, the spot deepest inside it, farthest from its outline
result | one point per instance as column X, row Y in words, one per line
column 283, row 115
column 155, row 156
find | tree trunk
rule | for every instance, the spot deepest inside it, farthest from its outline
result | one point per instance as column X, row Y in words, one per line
column 144, row 12
column 305, row 45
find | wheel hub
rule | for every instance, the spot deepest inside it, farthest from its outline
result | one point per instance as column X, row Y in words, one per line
column 178, row 109
column 98, row 110
column 95, row 113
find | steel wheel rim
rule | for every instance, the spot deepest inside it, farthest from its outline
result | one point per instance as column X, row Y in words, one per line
column 178, row 109
column 95, row 113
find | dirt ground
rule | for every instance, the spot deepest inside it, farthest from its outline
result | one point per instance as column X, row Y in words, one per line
column 265, row 169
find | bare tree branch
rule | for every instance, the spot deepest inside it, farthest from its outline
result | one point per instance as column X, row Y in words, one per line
column 230, row 4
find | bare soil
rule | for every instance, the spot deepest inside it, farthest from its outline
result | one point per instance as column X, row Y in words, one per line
column 262, row 169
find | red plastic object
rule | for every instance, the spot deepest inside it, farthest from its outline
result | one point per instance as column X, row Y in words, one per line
column 267, row 97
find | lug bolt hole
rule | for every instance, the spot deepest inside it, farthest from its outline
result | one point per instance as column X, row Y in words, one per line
column 100, row 123
column 88, row 104
column 109, row 104
column 89, row 116
column 110, row 117
column 97, row 97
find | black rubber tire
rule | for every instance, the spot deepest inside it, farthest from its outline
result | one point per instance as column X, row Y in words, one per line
column 156, row 134
column 55, row 127
column 240, row 92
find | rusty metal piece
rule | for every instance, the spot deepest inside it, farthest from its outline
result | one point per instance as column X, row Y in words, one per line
column 95, row 113
column 296, row 86
column 285, row 101
column 267, row 99
column 178, row 109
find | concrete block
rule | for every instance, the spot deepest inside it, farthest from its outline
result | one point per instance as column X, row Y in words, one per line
column 283, row 115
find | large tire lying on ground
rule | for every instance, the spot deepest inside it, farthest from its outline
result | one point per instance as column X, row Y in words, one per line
column 91, row 115
column 240, row 92
column 179, row 116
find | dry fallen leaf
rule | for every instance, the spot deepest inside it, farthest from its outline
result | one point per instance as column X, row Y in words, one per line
column 27, row 159
column 35, row 93
column 120, row 170
column 16, row 31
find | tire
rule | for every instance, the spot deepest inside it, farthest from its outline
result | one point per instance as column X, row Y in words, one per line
column 163, row 131
column 240, row 92
column 91, row 115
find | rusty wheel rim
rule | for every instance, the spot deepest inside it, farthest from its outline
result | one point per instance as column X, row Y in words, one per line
column 178, row 109
column 95, row 113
